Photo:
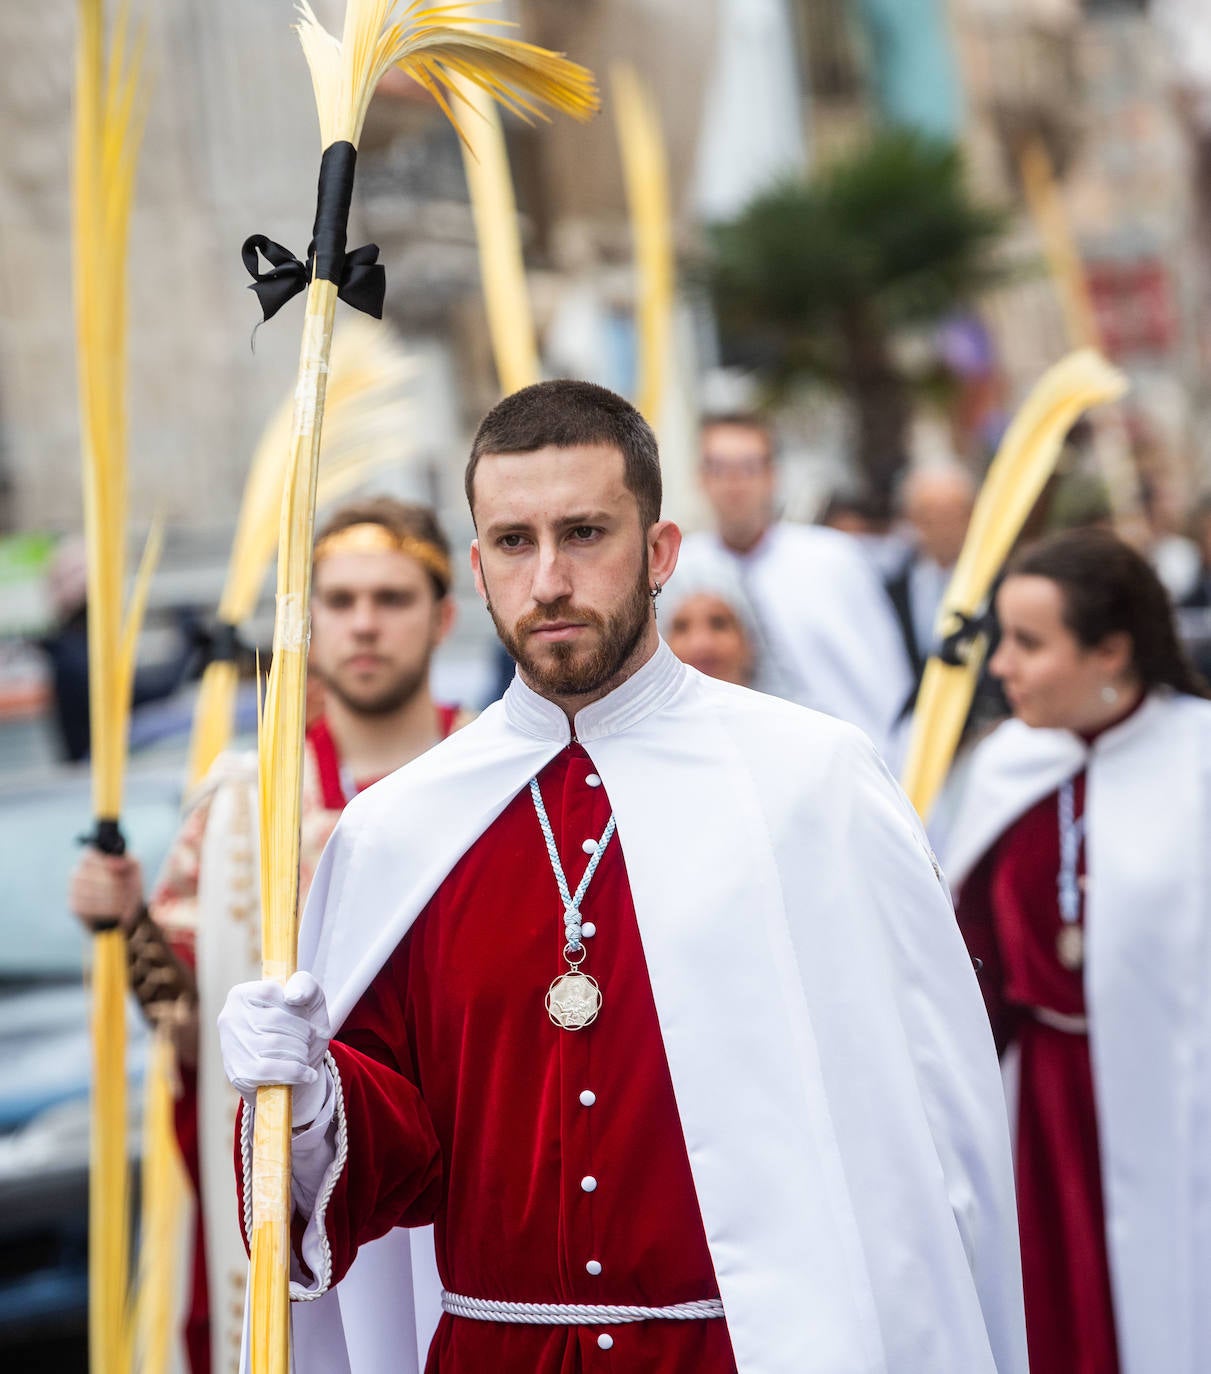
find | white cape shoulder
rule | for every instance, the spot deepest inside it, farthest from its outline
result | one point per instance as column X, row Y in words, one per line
column 1017, row 765
column 1009, row 771
column 397, row 841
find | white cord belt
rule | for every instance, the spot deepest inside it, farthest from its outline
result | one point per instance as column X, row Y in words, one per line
column 1060, row 1021
column 574, row 1314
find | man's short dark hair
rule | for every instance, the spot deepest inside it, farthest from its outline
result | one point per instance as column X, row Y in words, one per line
column 569, row 414
column 406, row 520
column 743, row 419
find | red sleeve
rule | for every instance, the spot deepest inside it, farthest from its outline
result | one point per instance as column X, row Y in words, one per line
column 393, row 1173
column 393, row 1176
column 978, row 927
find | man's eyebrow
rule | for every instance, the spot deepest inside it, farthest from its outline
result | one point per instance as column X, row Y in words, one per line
column 507, row 526
column 369, row 589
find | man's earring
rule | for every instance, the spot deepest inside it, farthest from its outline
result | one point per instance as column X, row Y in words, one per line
column 656, row 590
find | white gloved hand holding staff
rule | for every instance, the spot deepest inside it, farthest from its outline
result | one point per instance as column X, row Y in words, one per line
column 274, row 1035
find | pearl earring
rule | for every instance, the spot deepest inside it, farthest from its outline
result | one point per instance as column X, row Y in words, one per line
column 1109, row 694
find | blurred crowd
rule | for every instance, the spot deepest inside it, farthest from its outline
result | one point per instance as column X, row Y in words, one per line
column 840, row 614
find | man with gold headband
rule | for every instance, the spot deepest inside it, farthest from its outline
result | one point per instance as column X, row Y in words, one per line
column 633, row 1029
column 381, row 605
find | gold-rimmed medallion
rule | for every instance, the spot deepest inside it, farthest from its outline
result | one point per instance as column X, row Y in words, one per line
column 573, row 1000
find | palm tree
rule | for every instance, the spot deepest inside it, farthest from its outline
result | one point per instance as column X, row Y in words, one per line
column 814, row 278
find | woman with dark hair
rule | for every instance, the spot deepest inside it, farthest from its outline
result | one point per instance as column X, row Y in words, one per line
column 1079, row 858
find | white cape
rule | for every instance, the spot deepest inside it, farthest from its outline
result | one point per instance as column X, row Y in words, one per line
column 829, row 1051
column 1148, row 990
column 828, row 635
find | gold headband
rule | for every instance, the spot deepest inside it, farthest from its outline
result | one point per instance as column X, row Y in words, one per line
column 371, row 537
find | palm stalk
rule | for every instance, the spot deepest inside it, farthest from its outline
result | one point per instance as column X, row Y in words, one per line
column 645, row 170
column 1015, row 480
column 108, row 119
column 436, row 45
column 1111, row 444
column 501, row 262
column 165, row 1208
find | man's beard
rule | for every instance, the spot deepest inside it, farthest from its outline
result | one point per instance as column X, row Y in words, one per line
column 568, row 670
column 385, row 700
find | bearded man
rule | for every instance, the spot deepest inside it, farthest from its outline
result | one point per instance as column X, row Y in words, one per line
column 639, row 1002
column 381, row 605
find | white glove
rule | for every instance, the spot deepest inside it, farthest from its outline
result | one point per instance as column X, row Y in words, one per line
column 272, row 1036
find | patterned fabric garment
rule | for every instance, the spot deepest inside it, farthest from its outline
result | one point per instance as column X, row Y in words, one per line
column 174, row 900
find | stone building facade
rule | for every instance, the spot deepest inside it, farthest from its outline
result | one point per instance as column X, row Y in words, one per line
column 231, row 148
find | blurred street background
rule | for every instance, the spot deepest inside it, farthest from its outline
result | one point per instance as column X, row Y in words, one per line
column 1112, row 97
column 891, row 216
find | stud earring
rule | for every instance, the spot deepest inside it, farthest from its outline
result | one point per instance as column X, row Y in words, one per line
column 1109, row 694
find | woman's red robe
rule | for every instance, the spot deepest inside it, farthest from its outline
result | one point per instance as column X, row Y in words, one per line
column 1009, row 913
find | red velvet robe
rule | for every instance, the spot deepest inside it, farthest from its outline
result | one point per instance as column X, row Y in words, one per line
column 468, row 1108
column 331, row 801
column 1009, row 913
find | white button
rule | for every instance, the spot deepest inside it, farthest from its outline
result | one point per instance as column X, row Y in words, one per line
column 589, row 846
column 588, row 1097
column 594, row 1267
column 593, row 780
column 588, row 1183
column 588, row 930
column 605, row 1341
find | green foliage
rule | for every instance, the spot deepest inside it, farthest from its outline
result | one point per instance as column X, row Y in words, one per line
column 886, row 238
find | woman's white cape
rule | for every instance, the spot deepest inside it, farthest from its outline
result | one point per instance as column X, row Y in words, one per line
column 831, row 1058
column 1148, row 988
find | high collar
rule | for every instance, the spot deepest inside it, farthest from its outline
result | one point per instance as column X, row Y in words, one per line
column 1140, row 717
column 1090, row 738
column 642, row 693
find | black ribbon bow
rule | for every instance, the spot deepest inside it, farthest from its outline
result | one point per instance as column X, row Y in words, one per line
column 956, row 646
column 106, row 835
column 219, row 642
column 361, row 281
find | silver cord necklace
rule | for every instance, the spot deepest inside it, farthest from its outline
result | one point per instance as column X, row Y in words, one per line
column 1070, row 942
column 574, row 998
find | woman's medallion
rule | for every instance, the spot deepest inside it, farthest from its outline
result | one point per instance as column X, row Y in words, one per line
column 1070, row 946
